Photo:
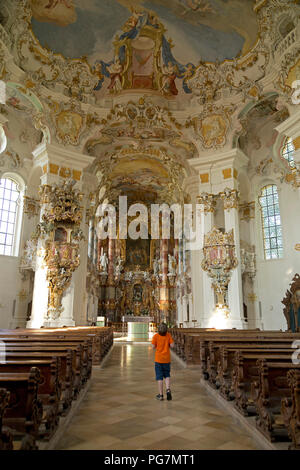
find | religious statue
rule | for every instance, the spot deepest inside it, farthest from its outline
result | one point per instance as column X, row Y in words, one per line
column 103, row 261
column 171, row 265
column 156, row 267
column 115, row 71
column 118, row 266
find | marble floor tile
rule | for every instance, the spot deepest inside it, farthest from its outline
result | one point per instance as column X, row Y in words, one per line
column 120, row 411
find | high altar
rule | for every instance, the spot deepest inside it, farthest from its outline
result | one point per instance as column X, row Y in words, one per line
column 135, row 283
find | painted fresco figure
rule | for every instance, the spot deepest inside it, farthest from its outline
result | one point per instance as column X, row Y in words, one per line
column 115, row 71
column 168, row 80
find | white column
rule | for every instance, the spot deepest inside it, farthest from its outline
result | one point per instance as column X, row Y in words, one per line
column 40, row 292
column 235, row 293
column 207, row 222
column 57, row 163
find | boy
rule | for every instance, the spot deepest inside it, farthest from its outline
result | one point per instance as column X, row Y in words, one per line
column 161, row 342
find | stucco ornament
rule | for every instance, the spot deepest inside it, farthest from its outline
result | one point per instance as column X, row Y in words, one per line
column 219, row 260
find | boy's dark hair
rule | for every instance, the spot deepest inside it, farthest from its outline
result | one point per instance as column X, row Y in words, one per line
column 162, row 329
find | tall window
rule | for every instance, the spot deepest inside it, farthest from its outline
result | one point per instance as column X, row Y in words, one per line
column 288, row 152
column 271, row 222
column 9, row 195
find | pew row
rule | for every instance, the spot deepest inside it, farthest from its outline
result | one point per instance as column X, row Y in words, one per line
column 57, row 364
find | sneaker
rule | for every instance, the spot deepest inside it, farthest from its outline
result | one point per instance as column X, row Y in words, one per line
column 159, row 397
column 169, row 395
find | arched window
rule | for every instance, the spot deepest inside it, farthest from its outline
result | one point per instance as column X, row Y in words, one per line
column 9, row 207
column 288, row 152
column 271, row 222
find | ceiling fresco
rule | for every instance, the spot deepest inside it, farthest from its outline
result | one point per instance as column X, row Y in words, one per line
column 183, row 32
column 209, row 30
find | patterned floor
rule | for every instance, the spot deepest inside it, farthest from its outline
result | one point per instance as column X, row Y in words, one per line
column 120, row 410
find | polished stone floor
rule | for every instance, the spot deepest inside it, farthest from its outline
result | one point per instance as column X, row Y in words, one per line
column 120, row 411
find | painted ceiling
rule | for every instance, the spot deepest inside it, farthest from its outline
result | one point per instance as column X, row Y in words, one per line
column 207, row 30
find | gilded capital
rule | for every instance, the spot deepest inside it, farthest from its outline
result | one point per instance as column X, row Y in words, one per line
column 230, row 198
column 208, row 201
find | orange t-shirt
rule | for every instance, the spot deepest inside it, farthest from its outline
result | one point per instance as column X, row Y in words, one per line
column 162, row 343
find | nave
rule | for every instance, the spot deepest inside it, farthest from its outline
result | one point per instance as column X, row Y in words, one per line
column 120, row 412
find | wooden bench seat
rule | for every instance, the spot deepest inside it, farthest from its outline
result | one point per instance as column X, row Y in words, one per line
column 6, row 439
column 49, row 387
column 269, row 391
column 100, row 337
column 290, row 408
column 84, row 354
column 221, row 378
column 23, row 415
column 70, row 369
column 245, row 374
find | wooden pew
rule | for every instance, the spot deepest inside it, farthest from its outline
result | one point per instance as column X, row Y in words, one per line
column 210, row 348
column 49, row 389
column 101, row 337
column 6, row 439
column 245, row 375
column 225, row 365
column 290, row 408
column 84, row 354
column 216, row 361
column 69, row 370
column 24, row 413
column 268, row 391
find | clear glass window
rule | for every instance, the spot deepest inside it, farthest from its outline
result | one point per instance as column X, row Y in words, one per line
column 271, row 222
column 288, row 152
column 9, row 195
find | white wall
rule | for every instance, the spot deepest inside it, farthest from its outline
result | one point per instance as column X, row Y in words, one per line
column 9, row 287
column 274, row 276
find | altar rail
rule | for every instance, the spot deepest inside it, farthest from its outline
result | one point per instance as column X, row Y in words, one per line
column 120, row 327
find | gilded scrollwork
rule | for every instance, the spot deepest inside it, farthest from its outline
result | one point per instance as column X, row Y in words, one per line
column 31, row 206
column 230, row 198
column 208, row 201
column 219, row 260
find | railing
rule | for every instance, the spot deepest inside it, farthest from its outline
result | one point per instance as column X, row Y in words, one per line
column 291, row 39
column 120, row 327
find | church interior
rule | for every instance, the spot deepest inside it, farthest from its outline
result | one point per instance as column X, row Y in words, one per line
column 149, row 174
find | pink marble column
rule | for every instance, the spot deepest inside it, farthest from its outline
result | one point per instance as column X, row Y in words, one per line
column 111, row 255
